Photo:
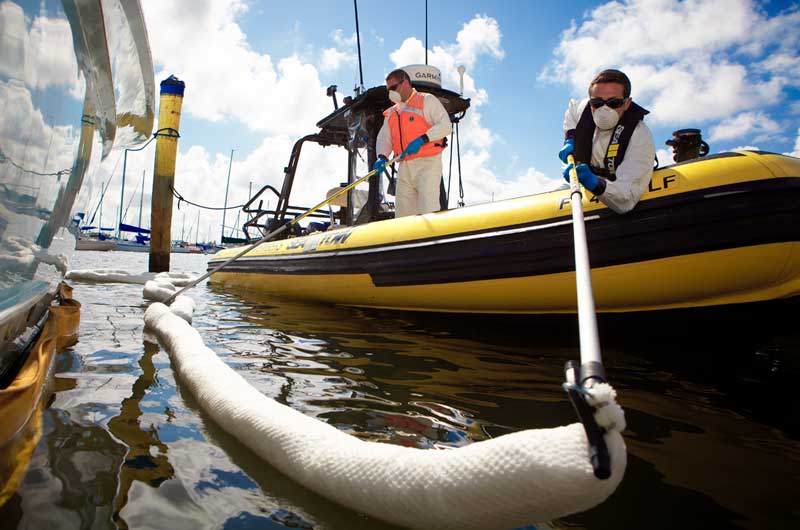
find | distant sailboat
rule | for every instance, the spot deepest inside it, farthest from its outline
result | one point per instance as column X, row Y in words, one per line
column 141, row 241
column 92, row 237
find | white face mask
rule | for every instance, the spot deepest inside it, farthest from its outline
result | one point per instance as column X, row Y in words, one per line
column 394, row 95
column 605, row 117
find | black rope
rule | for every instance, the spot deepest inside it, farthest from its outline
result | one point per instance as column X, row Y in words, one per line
column 460, row 180
column 182, row 199
column 173, row 133
column 450, row 170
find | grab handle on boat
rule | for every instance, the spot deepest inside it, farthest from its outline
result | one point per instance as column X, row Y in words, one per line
column 278, row 230
column 591, row 371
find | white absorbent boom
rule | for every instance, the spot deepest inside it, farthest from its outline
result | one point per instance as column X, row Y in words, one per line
column 502, row 483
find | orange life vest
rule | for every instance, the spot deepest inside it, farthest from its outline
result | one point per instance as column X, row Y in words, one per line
column 408, row 125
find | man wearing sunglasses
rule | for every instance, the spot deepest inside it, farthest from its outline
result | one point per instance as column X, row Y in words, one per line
column 612, row 146
column 415, row 127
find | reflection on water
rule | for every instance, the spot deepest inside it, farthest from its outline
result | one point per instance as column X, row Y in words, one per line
column 146, row 459
column 713, row 419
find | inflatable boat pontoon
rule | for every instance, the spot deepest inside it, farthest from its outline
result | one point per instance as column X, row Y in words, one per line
column 723, row 229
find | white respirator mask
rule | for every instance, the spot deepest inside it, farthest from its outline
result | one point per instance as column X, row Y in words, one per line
column 394, row 95
column 605, row 117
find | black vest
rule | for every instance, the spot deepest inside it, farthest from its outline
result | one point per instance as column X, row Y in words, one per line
column 617, row 145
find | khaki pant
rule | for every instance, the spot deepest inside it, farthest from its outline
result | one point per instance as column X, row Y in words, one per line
column 418, row 186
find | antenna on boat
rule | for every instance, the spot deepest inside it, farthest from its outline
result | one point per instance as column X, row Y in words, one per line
column 358, row 42
column 426, row 32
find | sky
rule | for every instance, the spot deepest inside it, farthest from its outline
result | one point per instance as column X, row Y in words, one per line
column 256, row 74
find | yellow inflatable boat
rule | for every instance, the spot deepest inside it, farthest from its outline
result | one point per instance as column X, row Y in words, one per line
column 723, row 229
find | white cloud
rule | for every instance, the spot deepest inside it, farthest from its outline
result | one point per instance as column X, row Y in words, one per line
column 745, row 123
column 787, row 64
column 746, row 148
column 343, row 41
column 479, row 36
column 530, row 182
column 225, row 78
column 664, row 157
column 706, row 91
column 796, row 151
column 333, row 59
column 679, row 67
column 341, row 55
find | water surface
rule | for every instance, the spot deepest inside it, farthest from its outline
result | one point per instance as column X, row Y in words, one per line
column 713, row 419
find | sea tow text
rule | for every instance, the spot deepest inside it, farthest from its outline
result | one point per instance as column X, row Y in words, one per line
column 308, row 243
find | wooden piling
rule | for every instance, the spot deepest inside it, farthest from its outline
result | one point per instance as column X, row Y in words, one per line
column 169, row 120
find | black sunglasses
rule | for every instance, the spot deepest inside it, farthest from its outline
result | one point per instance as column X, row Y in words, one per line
column 394, row 86
column 613, row 103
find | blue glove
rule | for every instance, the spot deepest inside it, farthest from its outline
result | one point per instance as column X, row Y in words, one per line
column 585, row 176
column 569, row 147
column 380, row 165
column 414, row 147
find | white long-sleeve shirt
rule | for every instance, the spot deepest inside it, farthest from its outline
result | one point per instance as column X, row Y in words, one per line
column 434, row 113
column 635, row 171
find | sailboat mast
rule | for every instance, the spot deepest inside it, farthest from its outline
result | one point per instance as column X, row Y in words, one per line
column 222, row 232
column 197, row 230
column 122, row 194
column 141, row 200
column 236, row 223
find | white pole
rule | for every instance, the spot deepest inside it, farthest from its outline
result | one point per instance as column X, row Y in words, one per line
column 222, row 232
column 587, row 318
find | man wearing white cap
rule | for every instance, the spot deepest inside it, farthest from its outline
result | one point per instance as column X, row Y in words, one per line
column 414, row 127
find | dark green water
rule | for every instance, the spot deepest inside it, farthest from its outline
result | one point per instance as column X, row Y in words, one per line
column 713, row 413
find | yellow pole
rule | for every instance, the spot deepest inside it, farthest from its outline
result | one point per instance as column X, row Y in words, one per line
column 169, row 120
